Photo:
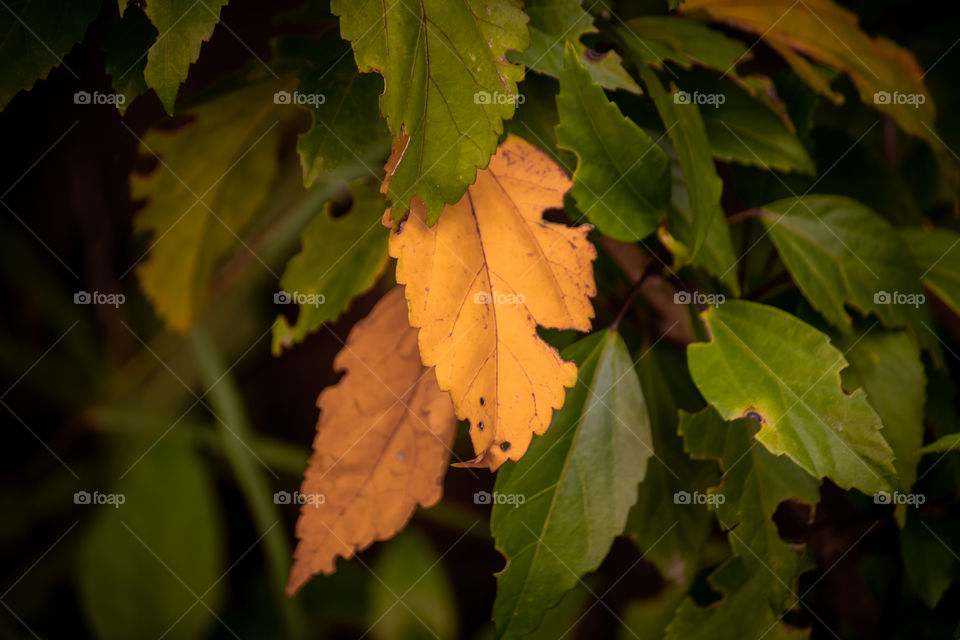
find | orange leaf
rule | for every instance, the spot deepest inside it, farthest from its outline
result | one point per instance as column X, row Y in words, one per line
column 480, row 281
column 382, row 445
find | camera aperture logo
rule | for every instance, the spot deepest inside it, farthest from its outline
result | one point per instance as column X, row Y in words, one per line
column 297, row 97
column 95, row 297
column 498, row 97
column 912, row 99
column 712, row 499
column 485, row 497
column 699, row 298
column 912, row 299
column 97, row 498
column 710, row 99
column 499, row 299
column 302, row 299
column 285, row 497
column 97, row 97
column 898, row 497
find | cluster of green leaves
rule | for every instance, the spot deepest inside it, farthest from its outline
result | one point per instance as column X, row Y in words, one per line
column 821, row 374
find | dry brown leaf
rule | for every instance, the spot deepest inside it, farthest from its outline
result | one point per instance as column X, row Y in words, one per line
column 382, row 446
column 480, row 281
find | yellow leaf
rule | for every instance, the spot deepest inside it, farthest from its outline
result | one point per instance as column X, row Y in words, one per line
column 382, row 446
column 827, row 33
column 480, row 281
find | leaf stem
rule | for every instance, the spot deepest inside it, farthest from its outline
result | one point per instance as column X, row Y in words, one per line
column 631, row 296
column 236, row 436
column 745, row 215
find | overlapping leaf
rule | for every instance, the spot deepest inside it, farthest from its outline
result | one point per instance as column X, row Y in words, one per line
column 341, row 259
column 382, row 446
column 669, row 534
column 685, row 128
column 888, row 367
column 553, row 24
column 744, row 129
column 829, row 34
column 35, row 35
column 184, row 25
column 755, row 482
column 576, row 483
column 124, row 44
column 938, row 258
column 480, row 282
column 839, row 253
column 621, row 181
column 657, row 39
column 343, row 102
column 766, row 364
column 448, row 86
column 740, row 614
column 199, row 203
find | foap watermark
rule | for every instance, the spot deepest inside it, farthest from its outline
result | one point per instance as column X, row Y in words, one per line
column 97, row 498
column 302, row 299
column 285, row 497
column 912, row 99
column 95, row 297
column 498, row 97
column 898, row 497
column 485, row 497
column 298, row 97
column 499, row 299
column 895, row 297
column 699, row 298
column 697, row 497
column 711, row 99
column 98, row 97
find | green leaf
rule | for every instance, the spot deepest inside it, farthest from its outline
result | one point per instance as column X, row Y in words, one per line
column 124, row 43
column 766, row 363
column 341, row 258
column 686, row 130
column 716, row 255
column 412, row 596
column 621, row 183
column 201, row 202
column 143, row 565
column 553, row 24
column 928, row 560
column 184, row 25
column 888, row 367
column 656, row 39
column 577, row 482
column 947, row 443
column 743, row 129
column 935, row 253
column 755, row 482
column 740, row 614
column 35, row 35
column 669, row 534
column 840, row 252
column 344, row 104
column 448, row 86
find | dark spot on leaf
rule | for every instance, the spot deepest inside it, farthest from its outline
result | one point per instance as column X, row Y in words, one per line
column 504, row 446
column 480, row 425
column 594, row 56
column 482, row 402
column 754, row 415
